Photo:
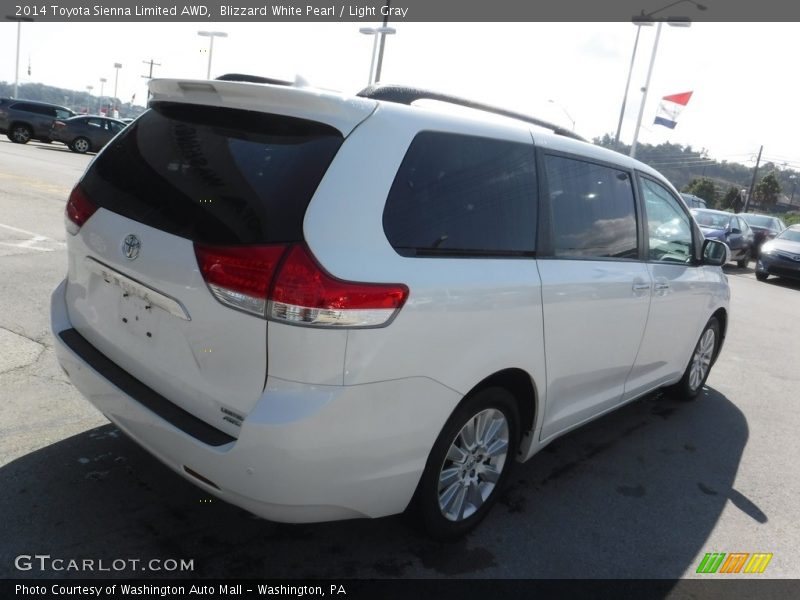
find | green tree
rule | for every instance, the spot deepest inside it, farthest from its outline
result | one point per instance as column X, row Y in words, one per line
column 767, row 190
column 733, row 200
column 702, row 187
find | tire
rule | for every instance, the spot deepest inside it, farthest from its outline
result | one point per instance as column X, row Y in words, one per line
column 81, row 145
column 464, row 475
column 699, row 366
column 742, row 263
column 761, row 276
column 20, row 134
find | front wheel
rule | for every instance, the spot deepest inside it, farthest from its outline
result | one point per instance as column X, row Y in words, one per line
column 742, row 263
column 700, row 364
column 468, row 464
column 762, row 276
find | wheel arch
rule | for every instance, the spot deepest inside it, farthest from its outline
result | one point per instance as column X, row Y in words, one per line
column 521, row 385
column 722, row 318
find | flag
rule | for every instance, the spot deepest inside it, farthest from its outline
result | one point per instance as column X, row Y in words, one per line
column 670, row 107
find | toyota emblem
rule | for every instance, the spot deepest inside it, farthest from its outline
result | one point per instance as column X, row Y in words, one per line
column 131, row 246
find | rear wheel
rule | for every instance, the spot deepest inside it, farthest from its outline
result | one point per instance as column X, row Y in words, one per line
column 20, row 134
column 762, row 276
column 80, row 145
column 468, row 464
column 700, row 364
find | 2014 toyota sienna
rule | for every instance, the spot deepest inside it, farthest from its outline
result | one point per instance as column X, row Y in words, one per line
column 321, row 307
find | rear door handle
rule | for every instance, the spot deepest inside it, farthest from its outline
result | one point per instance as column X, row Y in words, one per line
column 640, row 288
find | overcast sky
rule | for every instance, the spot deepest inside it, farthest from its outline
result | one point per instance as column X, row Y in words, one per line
column 743, row 75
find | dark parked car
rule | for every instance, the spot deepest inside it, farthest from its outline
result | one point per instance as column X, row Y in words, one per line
column 729, row 228
column 86, row 133
column 764, row 228
column 26, row 120
column 780, row 256
column 694, row 201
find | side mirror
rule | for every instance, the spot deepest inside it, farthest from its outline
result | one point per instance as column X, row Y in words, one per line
column 715, row 253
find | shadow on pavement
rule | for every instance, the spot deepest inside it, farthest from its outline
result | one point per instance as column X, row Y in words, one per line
column 634, row 494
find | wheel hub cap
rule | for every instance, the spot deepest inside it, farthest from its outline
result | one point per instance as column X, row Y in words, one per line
column 473, row 465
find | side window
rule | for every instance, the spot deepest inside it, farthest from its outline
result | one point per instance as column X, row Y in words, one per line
column 462, row 195
column 62, row 114
column 593, row 210
column 95, row 123
column 668, row 226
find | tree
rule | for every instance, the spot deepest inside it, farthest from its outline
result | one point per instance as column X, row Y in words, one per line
column 767, row 190
column 702, row 187
column 733, row 200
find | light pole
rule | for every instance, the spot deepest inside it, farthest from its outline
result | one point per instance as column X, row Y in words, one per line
column 19, row 21
column 211, row 35
column 377, row 32
column 646, row 20
column 565, row 112
column 100, row 101
column 115, row 112
column 89, row 88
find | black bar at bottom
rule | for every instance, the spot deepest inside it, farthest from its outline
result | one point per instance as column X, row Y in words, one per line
column 137, row 390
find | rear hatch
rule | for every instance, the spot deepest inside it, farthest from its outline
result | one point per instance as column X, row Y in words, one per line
column 213, row 172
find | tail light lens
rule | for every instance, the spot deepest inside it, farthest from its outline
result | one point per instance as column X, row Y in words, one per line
column 59, row 124
column 239, row 276
column 303, row 293
column 286, row 284
column 79, row 209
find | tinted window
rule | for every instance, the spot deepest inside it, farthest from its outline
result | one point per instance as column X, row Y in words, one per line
column 592, row 208
column 463, row 196
column 215, row 175
column 668, row 226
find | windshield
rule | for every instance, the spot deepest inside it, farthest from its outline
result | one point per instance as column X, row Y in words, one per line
column 792, row 235
column 761, row 221
column 711, row 220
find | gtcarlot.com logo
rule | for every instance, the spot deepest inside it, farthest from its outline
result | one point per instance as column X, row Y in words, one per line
column 45, row 563
column 734, row 562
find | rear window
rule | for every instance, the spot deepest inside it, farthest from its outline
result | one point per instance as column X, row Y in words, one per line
column 214, row 175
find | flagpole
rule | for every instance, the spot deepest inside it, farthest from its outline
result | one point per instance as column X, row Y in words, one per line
column 645, row 89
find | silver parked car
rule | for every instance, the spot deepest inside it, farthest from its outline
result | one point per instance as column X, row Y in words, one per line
column 319, row 306
column 86, row 133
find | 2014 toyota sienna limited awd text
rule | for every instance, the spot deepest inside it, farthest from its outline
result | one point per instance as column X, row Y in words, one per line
column 322, row 307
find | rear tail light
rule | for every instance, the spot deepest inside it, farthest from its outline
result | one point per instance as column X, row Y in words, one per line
column 79, row 209
column 239, row 276
column 59, row 124
column 286, row 284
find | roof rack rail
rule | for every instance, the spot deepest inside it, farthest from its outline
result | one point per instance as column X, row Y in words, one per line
column 402, row 94
column 253, row 79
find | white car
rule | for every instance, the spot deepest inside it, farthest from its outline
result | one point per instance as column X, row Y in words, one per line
column 319, row 307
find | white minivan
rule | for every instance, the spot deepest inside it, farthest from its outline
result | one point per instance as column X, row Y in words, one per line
column 319, row 307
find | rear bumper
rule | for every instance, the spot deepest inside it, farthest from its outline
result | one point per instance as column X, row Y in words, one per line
column 305, row 453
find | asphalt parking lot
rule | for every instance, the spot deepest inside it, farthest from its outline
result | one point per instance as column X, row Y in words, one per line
column 642, row 493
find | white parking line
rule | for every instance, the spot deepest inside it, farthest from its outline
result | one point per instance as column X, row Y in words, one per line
column 32, row 242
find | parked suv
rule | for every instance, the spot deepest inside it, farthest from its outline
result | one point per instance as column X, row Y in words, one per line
column 24, row 120
column 321, row 307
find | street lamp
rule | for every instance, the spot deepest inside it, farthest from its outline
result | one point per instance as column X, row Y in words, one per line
column 376, row 31
column 211, row 35
column 100, row 101
column 19, row 21
column 646, row 20
column 89, row 89
column 565, row 112
column 115, row 112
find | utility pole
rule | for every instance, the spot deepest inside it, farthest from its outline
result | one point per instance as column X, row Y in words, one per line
column 753, row 182
column 152, row 64
column 383, row 43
